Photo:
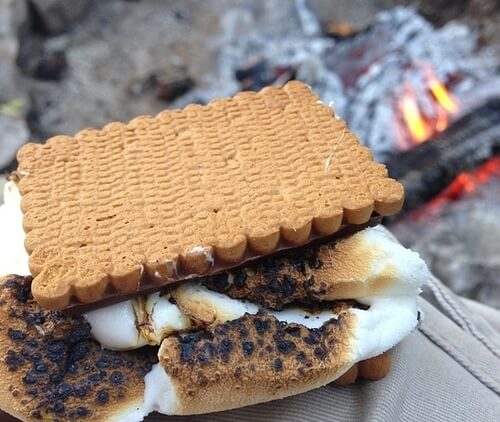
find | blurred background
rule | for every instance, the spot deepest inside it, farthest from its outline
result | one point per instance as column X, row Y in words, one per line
column 417, row 81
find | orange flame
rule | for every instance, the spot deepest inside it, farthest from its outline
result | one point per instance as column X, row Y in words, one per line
column 441, row 94
column 412, row 116
column 442, row 120
column 422, row 127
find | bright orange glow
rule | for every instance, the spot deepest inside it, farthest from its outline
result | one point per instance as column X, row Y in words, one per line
column 420, row 125
column 413, row 118
column 464, row 184
column 469, row 181
column 441, row 94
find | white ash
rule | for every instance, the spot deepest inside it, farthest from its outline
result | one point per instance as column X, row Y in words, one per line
column 283, row 44
column 395, row 52
column 364, row 76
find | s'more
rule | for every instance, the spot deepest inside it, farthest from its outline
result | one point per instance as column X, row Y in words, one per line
column 197, row 261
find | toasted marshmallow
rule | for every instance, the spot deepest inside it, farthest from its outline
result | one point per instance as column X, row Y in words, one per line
column 202, row 304
column 404, row 268
column 141, row 321
column 383, row 325
column 209, row 307
column 159, row 317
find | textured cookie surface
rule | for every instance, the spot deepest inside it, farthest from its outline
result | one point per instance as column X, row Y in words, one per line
column 53, row 370
column 134, row 205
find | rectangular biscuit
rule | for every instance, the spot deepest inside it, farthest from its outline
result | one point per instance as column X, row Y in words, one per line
column 160, row 199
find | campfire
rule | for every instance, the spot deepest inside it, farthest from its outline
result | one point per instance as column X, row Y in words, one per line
column 424, row 99
column 422, row 127
column 400, row 83
column 424, row 124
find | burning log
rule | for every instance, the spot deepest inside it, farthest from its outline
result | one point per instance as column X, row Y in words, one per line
column 168, row 90
column 430, row 167
column 258, row 73
column 165, row 87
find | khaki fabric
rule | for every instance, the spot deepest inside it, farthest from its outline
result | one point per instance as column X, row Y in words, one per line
column 485, row 317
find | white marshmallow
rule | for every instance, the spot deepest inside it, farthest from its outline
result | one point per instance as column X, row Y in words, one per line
column 136, row 322
column 14, row 259
column 164, row 317
column 159, row 393
column 377, row 329
column 384, row 324
column 115, row 326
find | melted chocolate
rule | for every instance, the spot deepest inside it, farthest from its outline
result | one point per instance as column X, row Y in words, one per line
column 147, row 287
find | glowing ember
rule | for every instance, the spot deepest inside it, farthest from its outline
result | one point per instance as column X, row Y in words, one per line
column 464, row 184
column 412, row 116
column 468, row 182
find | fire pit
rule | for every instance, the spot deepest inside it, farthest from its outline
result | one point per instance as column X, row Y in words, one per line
column 423, row 100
